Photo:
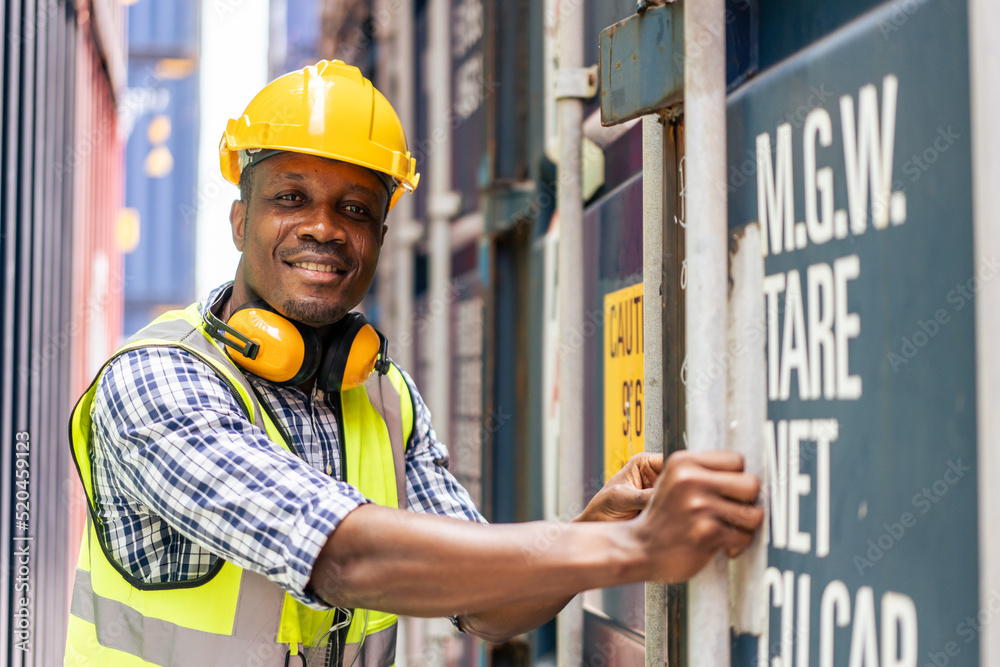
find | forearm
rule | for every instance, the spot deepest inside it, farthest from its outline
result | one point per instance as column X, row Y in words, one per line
column 419, row 565
column 499, row 625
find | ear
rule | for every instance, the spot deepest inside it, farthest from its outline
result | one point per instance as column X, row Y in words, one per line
column 237, row 219
column 385, row 230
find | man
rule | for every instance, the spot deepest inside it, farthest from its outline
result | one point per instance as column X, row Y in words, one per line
column 244, row 517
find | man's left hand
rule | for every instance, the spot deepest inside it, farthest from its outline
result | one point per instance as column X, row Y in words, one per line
column 625, row 494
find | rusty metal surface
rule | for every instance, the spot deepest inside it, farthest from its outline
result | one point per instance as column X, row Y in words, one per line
column 641, row 64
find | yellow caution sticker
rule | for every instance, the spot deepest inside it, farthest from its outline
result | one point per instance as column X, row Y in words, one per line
column 623, row 402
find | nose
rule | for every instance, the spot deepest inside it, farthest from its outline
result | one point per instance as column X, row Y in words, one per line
column 323, row 226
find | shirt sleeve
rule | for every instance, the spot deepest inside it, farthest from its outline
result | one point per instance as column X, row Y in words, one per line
column 176, row 439
column 431, row 488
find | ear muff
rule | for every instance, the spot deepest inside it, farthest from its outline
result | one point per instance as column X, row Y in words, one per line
column 263, row 341
column 356, row 349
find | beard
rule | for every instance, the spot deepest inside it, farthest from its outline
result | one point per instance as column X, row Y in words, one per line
column 315, row 313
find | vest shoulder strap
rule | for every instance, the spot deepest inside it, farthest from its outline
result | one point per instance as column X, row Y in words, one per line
column 387, row 400
column 183, row 329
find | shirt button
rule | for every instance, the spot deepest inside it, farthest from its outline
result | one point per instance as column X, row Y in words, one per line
column 329, row 469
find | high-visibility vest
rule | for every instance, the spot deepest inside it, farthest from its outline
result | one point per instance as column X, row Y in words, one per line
column 232, row 617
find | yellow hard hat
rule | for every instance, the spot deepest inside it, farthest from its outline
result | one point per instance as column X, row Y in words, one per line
column 328, row 109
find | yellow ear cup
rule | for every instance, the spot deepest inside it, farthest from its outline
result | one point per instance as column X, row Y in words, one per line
column 362, row 357
column 288, row 353
column 355, row 349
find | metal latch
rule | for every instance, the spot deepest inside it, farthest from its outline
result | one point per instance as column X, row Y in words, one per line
column 642, row 60
column 576, row 82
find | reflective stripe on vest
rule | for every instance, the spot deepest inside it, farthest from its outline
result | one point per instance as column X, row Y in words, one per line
column 231, row 616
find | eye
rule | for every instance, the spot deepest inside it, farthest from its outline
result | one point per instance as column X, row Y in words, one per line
column 357, row 209
column 289, row 197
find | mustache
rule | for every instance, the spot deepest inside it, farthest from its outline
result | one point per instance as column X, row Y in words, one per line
column 324, row 253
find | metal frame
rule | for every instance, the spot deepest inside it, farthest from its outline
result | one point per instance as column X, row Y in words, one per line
column 984, row 55
column 653, row 193
column 708, row 637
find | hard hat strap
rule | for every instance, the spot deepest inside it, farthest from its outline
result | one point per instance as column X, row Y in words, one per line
column 250, row 156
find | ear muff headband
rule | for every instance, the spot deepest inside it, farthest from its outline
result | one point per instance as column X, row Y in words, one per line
column 356, row 349
column 264, row 342
column 229, row 336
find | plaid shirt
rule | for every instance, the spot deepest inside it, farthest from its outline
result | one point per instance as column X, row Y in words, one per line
column 182, row 478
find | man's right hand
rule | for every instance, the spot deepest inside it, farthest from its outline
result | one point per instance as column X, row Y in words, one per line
column 702, row 502
column 502, row 580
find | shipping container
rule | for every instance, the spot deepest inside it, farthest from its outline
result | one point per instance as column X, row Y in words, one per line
column 61, row 301
column 787, row 64
column 159, row 124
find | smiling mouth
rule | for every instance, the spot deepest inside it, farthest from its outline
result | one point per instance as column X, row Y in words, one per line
column 312, row 266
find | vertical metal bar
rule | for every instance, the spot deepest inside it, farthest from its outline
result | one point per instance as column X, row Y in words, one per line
column 674, row 411
column 984, row 16
column 653, row 167
column 403, row 234
column 58, row 559
column 569, row 197
column 8, row 377
column 72, row 521
column 550, row 111
column 37, row 378
column 77, row 171
column 59, row 391
column 747, row 412
column 54, row 553
column 407, row 231
column 23, row 419
column 441, row 207
column 75, row 523
column 550, row 290
column 386, row 75
column 707, row 241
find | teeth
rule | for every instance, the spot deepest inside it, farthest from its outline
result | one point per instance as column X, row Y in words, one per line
column 324, row 268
